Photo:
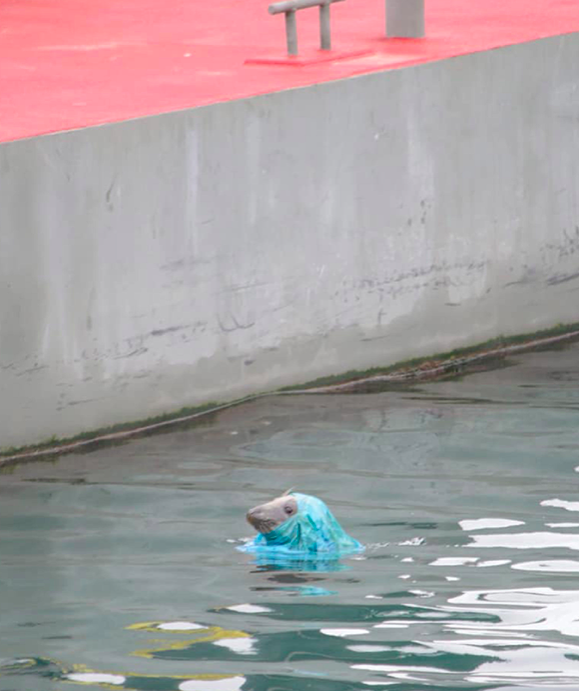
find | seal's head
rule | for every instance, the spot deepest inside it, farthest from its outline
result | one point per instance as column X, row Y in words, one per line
column 266, row 517
column 298, row 525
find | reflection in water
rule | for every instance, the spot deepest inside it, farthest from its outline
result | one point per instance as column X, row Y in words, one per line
column 96, row 678
column 562, row 504
column 299, row 564
column 484, row 523
column 538, row 540
column 226, row 684
column 301, row 590
column 461, row 491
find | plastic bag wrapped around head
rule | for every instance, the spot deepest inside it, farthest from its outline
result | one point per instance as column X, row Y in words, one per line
column 298, row 526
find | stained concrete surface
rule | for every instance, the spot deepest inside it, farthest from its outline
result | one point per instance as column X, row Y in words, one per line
column 215, row 252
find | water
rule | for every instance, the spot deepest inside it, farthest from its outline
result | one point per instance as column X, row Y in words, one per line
column 118, row 569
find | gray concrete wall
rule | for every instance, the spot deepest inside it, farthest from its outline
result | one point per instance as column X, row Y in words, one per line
column 205, row 254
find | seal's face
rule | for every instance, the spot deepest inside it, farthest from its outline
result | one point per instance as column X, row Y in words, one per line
column 267, row 517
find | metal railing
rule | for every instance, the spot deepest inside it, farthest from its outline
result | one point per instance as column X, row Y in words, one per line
column 404, row 19
column 290, row 7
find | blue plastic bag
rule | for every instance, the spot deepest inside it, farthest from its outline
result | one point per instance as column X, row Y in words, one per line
column 313, row 533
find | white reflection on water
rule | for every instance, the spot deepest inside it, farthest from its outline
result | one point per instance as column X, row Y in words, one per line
column 485, row 523
column 543, row 540
column 241, row 646
column 398, row 672
column 523, row 610
column 561, row 504
column 516, row 647
column 378, row 683
column 226, row 684
column 343, row 633
column 553, row 565
column 520, row 659
column 493, row 562
column 453, row 561
column 180, row 626
column 249, row 609
column 95, row 678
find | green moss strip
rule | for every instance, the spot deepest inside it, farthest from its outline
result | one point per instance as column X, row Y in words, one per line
column 455, row 362
column 441, row 364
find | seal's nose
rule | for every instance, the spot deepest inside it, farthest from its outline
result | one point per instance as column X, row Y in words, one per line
column 254, row 516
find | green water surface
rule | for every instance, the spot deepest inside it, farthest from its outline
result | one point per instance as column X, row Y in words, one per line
column 118, row 568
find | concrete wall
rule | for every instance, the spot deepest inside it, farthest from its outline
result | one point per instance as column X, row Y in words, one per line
column 205, row 254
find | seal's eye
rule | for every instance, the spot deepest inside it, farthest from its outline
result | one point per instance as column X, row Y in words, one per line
column 289, row 510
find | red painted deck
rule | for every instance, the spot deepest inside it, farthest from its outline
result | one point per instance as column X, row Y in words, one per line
column 66, row 64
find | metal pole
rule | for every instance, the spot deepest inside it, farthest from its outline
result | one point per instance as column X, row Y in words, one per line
column 287, row 5
column 325, row 36
column 405, row 18
column 291, row 32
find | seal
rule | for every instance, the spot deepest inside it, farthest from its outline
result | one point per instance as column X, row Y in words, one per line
column 300, row 525
column 267, row 517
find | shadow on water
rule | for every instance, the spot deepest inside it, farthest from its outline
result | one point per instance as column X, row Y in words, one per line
column 300, row 565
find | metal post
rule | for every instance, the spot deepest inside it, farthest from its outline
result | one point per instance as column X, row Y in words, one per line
column 291, row 32
column 325, row 36
column 289, row 8
column 405, row 18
